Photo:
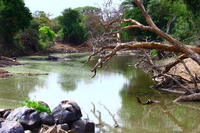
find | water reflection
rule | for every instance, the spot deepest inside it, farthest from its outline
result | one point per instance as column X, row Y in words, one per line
column 108, row 98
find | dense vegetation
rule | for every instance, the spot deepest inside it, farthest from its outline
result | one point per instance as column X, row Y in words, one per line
column 184, row 28
column 26, row 33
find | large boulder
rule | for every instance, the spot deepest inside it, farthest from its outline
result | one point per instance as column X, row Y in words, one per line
column 29, row 118
column 67, row 111
column 11, row 127
column 4, row 112
column 46, row 119
column 64, row 127
column 83, row 126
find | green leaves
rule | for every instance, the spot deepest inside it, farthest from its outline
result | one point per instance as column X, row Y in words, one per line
column 72, row 32
column 47, row 33
column 14, row 16
column 36, row 105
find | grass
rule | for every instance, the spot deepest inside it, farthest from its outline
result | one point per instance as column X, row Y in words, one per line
column 36, row 105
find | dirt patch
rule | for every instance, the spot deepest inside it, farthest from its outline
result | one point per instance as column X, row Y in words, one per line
column 180, row 70
column 5, row 61
column 67, row 48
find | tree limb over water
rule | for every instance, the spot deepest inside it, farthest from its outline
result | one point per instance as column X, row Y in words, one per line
column 115, row 28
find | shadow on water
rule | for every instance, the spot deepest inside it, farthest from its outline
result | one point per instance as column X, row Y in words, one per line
column 108, row 99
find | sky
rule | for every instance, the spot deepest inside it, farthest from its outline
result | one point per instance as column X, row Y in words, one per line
column 55, row 7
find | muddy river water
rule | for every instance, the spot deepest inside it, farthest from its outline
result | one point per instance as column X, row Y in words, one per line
column 108, row 99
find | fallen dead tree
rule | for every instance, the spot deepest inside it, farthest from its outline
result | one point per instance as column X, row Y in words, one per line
column 113, row 26
column 187, row 98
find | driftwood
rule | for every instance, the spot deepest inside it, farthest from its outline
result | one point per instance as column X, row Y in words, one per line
column 187, row 98
column 147, row 102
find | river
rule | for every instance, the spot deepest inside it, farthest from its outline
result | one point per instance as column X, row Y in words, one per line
column 107, row 99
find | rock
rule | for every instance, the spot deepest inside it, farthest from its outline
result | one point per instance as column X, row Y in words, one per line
column 11, row 127
column 44, row 104
column 64, row 127
column 28, row 131
column 89, row 126
column 29, row 118
column 70, row 51
column 83, row 126
column 53, row 58
column 4, row 112
column 46, row 119
column 67, row 111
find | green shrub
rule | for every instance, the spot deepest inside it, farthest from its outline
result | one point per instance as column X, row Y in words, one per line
column 36, row 105
column 46, row 33
column 44, row 45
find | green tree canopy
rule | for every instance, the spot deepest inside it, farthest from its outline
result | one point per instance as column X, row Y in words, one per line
column 72, row 32
column 90, row 19
column 14, row 16
column 47, row 33
column 193, row 5
column 173, row 17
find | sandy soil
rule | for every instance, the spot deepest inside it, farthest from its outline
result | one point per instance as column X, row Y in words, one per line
column 194, row 68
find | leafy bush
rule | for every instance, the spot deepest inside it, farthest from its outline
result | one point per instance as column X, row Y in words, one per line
column 73, row 31
column 36, row 105
column 27, row 39
column 46, row 33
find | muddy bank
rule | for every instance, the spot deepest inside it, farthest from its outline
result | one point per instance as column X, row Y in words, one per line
column 6, row 61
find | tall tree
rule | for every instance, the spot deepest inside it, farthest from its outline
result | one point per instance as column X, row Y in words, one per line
column 193, row 5
column 14, row 16
column 43, row 17
column 72, row 31
column 90, row 19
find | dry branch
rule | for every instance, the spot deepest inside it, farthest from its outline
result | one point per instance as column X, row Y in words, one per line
column 192, row 76
column 147, row 102
column 113, row 26
column 170, row 65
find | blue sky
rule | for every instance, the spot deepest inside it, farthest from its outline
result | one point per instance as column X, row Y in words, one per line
column 55, row 7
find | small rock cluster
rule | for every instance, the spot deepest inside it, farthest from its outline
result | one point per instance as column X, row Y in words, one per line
column 65, row 118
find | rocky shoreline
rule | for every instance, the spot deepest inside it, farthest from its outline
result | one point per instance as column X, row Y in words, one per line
column 64, row 118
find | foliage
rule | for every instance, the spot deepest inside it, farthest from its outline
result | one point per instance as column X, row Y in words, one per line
column 90, row 19
column 46, row 33
column 36, row 105
column 43, row 18
column 61, row 33
column 183, row 28
column 14, row 16
column 27, row 40
column 72, row 30
column 44, row 45
column 192, row 5
column 55, row 25
column 133, row 12
column 153, row 53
